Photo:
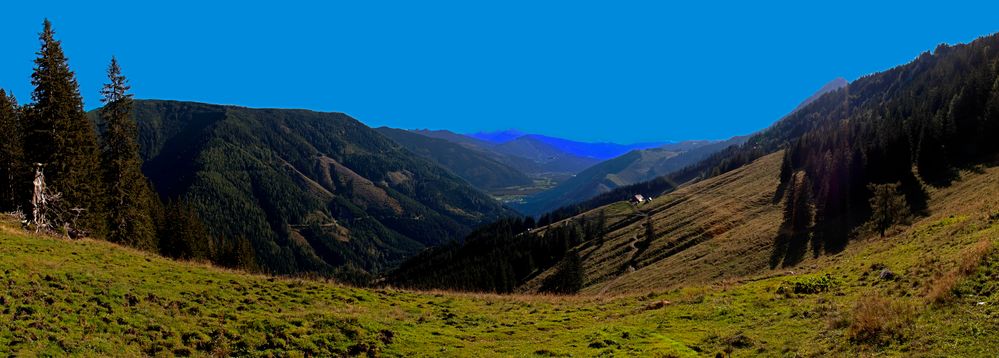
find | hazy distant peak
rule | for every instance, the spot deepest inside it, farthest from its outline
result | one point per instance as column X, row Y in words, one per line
column 835, row 84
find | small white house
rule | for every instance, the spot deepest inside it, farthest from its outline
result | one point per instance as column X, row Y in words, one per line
column 638, row 199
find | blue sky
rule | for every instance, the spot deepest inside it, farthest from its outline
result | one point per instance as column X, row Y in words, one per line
column 597, row 71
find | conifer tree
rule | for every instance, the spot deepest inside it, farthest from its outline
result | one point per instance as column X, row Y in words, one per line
column 130, row 199
column 794, row 233
column 932, row 152
column 888, row 206
column 601, row 227
column 568, row 277
column 59, row 135
column 184, row 234
column 991, row 121
column 650, row 231
column 11, row 154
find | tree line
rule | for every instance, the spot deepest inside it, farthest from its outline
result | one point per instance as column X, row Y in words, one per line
column 502, row 256
column 882, row 141
column 92, row 168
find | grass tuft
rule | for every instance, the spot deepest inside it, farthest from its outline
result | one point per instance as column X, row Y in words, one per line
column 943, row 290
column 878, row 320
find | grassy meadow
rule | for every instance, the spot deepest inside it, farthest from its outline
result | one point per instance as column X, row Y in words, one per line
column 928, row 289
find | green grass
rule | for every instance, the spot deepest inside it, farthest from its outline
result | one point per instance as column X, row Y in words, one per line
column 92, row 298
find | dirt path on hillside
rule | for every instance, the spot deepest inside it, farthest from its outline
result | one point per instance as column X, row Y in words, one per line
column 627, row 270
column 633, row 253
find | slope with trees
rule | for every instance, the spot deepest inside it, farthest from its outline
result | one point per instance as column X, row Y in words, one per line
column 474, row 166
column 282, row 191
column 502, row 256
column 310, row 191
column 875, row 148
column 528, row 153
column 78, row 174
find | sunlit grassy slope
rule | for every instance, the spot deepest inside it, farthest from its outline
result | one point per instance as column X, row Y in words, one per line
column 723, row 229
column 928, row 289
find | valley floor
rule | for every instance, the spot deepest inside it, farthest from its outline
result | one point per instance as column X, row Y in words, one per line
column 931, row 289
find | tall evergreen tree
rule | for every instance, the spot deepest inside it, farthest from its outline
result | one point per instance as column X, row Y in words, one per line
column 59, row 135
column 11, row 154
column 184, row 234
column 130, row 199
column 792, row 239
column 650, row 230
column 568, row 277
column 888, row 205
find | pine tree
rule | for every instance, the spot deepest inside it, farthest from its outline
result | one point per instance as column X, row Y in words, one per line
column 601, row 227
column 991, row 122
column 235, row 252
column 888, row 206
column 932, row 152
column 650, row 230
column 793, row 236
column 184, row 234
column 12, row 168
column 129, row 197
column 568, row 277
column 59, row 135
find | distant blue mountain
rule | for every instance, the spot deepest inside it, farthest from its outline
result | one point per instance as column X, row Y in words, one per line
column 599, row 150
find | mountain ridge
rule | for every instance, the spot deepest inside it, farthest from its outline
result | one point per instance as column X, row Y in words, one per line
column 479, row 169
column 529, row 155
column 312, row 191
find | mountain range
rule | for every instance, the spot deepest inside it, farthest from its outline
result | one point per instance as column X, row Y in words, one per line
column 312, row 191
column 482, row 169
column 322, row 192
column 527, row 153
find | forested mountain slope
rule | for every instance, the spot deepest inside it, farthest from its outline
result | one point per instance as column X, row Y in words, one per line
column 312, row 192
column 526, row 153
column 548, row 156
column 595, row 150
column 476, row 167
